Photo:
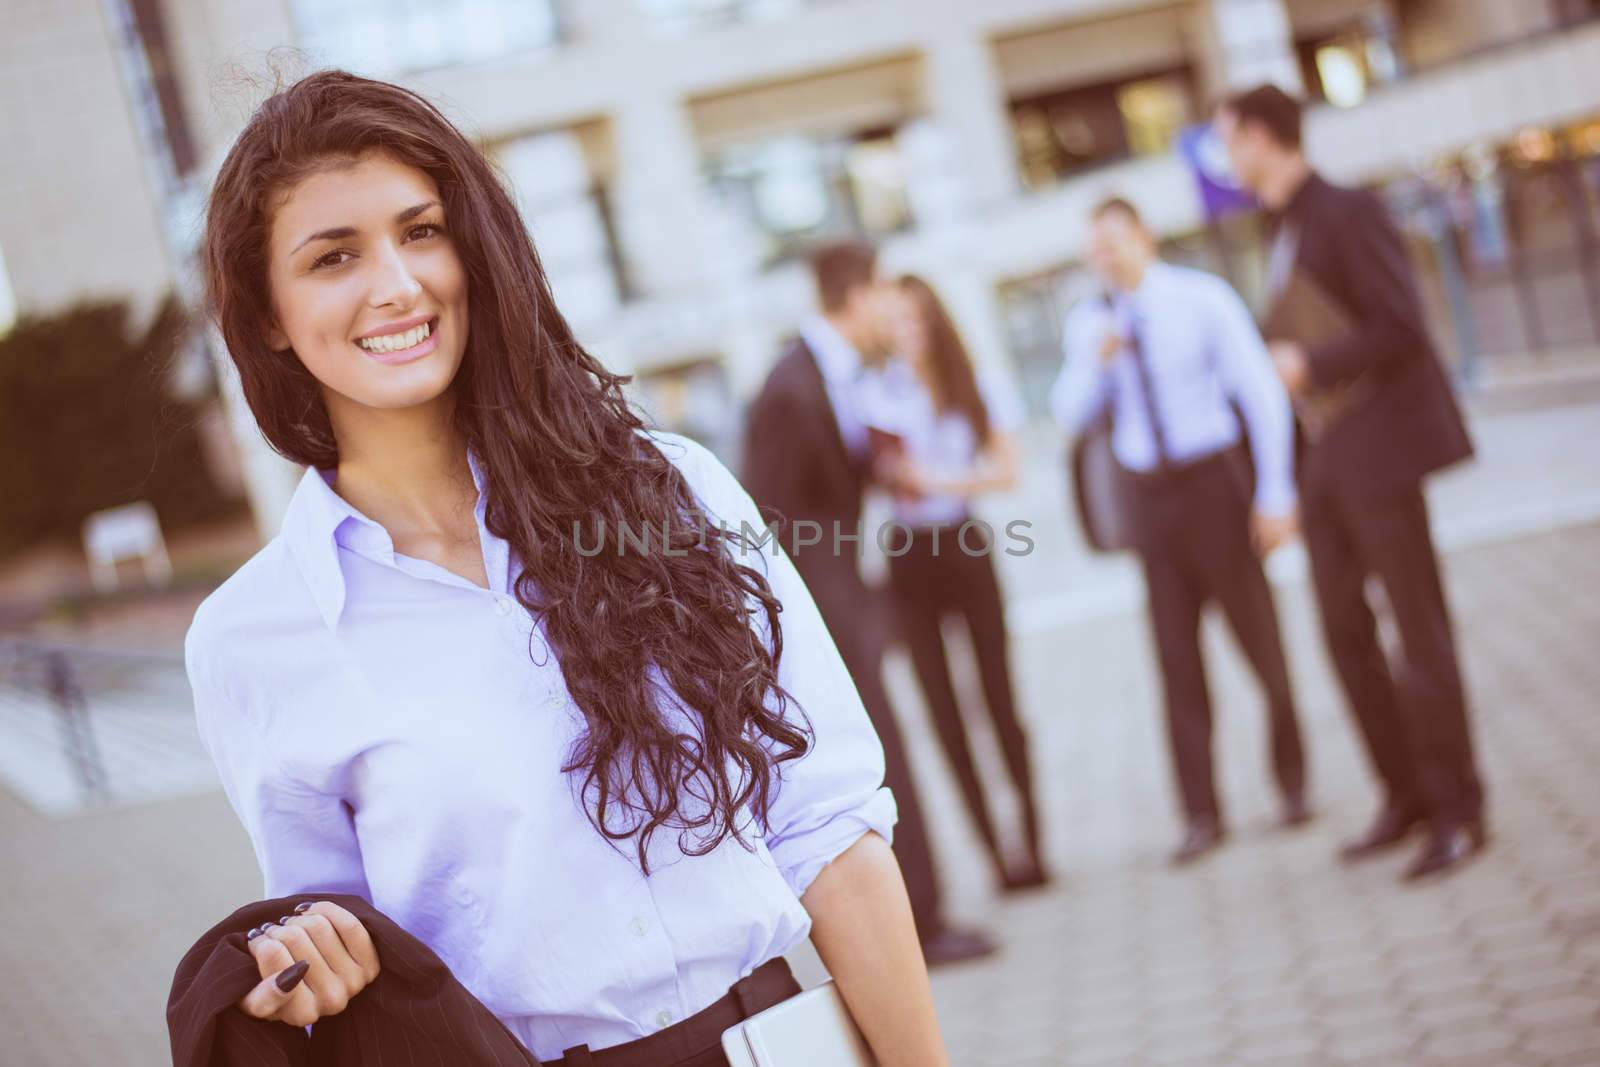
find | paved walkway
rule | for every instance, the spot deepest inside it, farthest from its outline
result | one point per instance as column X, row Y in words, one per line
column 1267, row 953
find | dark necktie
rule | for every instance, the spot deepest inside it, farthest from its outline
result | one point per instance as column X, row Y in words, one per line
column 1147, row 392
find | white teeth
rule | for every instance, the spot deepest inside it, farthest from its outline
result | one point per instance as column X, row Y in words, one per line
column 394, row 342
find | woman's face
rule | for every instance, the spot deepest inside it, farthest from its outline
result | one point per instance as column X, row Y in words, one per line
column 908, row 328
column 366, row 285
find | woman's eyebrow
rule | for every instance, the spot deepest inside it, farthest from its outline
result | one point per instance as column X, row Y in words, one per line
column 339, row 233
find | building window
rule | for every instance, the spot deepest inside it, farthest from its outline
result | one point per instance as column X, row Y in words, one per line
column 1343, row 67
column 1062, row 133
column 799, row 190
column 386, row 37
column 692, row 397
column 160, row 93
column 568, row 212
column 690, row 15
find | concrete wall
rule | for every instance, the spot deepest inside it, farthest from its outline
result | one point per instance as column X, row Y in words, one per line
column 1443, row 30
column 80, row 217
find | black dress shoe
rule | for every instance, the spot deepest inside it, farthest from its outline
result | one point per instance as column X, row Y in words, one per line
column 1296, row 812
column 1446, row 847
column 1032, row 876
column 1392, row 826
column 1202, row 836
column 952, row 945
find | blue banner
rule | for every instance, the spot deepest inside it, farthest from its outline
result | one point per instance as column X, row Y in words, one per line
column 1220, row 193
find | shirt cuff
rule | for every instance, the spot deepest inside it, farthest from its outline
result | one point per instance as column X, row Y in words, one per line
column 1274, row 499
column 802, row 857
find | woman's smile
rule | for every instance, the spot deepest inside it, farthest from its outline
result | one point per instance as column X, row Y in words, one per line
column 402, row 344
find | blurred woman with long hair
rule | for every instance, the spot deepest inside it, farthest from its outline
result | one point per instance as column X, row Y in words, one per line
column 511, row 671
column 955, row 443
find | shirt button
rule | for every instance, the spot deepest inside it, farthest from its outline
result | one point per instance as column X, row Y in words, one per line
column 503, row 606
column 639, row 926
column 663, row 1019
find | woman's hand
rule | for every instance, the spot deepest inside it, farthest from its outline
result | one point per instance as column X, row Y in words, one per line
column 322, row 953
column 901, row 475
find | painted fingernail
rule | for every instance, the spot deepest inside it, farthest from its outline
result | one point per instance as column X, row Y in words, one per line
column 290, row 978
column 303, row 907
column 283, row 920
column 255, row 932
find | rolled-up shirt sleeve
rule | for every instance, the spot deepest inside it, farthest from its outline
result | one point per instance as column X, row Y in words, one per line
column 834, row 794
column 304, row 840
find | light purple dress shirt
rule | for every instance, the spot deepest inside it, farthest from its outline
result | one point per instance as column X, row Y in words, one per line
column 1203, row 349
column 382, row 729
column 942, row 443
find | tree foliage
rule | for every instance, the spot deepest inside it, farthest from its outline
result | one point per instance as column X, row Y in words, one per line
column 87, row 422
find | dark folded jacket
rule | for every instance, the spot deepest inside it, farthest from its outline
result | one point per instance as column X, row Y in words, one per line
column 414, row 1012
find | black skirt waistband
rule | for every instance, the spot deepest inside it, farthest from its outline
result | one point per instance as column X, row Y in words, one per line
column 771, row 983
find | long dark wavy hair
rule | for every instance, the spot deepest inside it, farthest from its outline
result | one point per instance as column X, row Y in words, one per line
column 953, row 382
column 563, row 462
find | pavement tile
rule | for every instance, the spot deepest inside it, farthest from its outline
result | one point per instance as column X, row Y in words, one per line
column 1577, row 1009
column 1562, row 1041
column 1270, row 952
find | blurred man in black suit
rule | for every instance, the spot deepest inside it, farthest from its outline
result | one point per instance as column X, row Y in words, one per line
column 807, row 464
column 1379, row 416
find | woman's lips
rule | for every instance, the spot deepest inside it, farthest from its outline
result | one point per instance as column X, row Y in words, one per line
column 406, row 355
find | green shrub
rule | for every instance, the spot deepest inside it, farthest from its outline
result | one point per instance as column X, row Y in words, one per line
column 87, row 422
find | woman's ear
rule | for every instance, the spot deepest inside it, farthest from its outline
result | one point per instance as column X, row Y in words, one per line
column 277, row 339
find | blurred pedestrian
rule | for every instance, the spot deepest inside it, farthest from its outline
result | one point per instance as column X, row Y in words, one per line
column 1175, row 355
column 956, row 441
column 807, row 460
column 1380, row 416
column 576, row 776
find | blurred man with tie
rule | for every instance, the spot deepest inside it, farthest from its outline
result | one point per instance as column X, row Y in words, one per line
column 1175, row 358
column 1379, row 417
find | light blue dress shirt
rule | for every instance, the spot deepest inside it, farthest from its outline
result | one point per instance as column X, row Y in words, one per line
column 1203, row 349
column 942, row 443
column 382, row 729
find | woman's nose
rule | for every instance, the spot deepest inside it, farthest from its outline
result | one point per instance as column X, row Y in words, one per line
column 393, row 282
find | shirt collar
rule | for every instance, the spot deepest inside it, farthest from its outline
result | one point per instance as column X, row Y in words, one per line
column 1124, row 301
column 318, row 522
column 836, row 357
column 1155, row 275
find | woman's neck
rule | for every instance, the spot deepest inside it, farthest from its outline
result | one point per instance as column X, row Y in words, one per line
column 406, row 469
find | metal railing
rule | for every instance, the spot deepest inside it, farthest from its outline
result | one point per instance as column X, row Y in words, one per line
column 119, row 719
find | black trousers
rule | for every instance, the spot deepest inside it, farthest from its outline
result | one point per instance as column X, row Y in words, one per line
column 1415, row 725
column 1193, row 534
column 862, row 652
column 928, row 588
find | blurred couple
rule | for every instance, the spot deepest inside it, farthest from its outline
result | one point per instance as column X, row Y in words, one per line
column 879, row 391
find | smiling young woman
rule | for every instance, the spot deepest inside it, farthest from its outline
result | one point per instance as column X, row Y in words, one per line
column 604, row 789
